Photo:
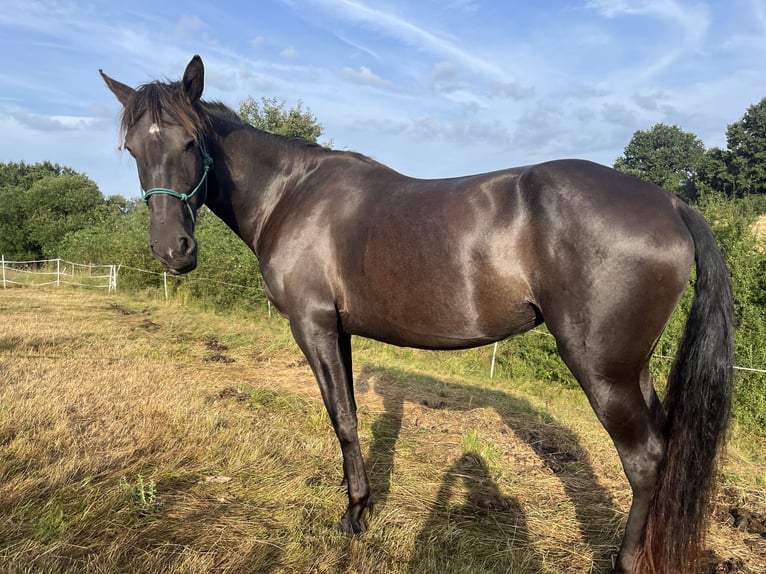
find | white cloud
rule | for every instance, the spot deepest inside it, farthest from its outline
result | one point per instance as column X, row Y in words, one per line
column 364, row 76
column 445, row 76
column 390, row 23
column 45, row 123
column 190, row 26
column 464, row 6
column 512, row 90
column 692, row 21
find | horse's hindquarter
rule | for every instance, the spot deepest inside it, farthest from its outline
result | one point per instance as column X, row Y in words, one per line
column 439, row 264
column 613, row 255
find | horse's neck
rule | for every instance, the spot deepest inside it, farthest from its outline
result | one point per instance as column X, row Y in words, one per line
column 253, row 170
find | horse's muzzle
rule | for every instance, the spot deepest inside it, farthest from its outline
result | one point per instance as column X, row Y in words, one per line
column 180, row 259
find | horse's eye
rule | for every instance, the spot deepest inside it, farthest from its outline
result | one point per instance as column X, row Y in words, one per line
column 189, row 145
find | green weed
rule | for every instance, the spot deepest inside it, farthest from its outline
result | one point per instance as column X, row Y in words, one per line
column 472, row 443
column 51, row 525
column 142, row 493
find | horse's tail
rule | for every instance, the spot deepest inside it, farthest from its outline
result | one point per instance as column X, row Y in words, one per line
column 697, row 407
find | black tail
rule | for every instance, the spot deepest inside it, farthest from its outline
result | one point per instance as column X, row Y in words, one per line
column 697, row 406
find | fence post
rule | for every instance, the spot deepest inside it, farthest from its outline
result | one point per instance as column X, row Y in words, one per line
column 58, row 272
column 3, row 258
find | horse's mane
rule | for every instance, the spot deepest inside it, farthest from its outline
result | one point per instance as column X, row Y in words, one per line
column 222, row 111
column 158, row 98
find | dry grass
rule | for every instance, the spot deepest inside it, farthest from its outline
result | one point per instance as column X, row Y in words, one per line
column 759, row 227
column 142, row 437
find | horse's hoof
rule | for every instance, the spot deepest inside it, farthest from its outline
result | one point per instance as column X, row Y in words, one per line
column 354, row 521
column 351, row 528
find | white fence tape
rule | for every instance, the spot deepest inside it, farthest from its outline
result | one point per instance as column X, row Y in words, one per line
column 66, row 272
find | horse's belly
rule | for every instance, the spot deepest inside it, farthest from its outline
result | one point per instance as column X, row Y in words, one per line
column 440, row 324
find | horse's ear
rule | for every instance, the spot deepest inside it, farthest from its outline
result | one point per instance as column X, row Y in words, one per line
column 122, row 91
column 194, row 79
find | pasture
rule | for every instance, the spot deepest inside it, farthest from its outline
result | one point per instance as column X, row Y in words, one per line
column 140, row 436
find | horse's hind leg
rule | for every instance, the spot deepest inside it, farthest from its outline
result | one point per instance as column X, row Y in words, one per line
column 652, row 400
column 625, row 405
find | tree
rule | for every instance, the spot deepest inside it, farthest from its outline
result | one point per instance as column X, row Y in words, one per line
column 271, row 116
column 746, row 157
column 714, row 175
column 666, row 156
column 23, row 175
column 40, row 204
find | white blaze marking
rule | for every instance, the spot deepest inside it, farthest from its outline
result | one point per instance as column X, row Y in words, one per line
column 154, row 129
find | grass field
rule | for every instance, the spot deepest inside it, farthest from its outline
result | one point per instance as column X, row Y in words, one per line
column 140, row 436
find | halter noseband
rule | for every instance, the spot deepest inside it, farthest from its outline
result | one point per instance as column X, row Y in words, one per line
column 207, row 163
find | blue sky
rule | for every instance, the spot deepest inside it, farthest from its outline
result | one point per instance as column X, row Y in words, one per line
column 433, row 88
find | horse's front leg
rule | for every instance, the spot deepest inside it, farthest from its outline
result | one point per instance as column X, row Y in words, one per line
column 328, row 351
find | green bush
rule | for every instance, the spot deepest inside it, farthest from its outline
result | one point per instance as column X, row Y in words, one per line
column 118, row 238
column 227, row 273
column 732, row 221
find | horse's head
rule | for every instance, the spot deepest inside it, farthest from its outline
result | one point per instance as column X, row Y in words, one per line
column 163, row 130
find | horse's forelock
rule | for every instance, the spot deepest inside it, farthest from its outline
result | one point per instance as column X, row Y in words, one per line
column 156, row 98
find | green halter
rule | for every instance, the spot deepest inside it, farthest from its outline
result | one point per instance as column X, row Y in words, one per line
column 207, row 163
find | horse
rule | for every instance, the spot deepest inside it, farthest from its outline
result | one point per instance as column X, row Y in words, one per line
column 347, row 246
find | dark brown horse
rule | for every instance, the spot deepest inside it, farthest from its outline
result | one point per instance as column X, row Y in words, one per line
column 348, row 247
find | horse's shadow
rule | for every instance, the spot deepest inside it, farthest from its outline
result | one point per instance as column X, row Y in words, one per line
column 496, row 536
column 557, row 447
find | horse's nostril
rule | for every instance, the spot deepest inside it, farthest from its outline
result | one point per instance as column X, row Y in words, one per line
column 186, row 245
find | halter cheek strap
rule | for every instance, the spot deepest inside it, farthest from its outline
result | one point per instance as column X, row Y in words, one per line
column 207, row 164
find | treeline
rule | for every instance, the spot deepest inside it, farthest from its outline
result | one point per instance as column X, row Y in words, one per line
column 49, row 211
column 729, row 187
column 678, row 161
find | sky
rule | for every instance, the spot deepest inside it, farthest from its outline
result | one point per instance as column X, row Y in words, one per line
column 432, row 88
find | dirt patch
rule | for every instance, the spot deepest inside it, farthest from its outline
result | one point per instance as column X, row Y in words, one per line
column 741, row 523
column 121, row 309
column 233, row 393
column 216, row 355
column 149, row 325
column 218, row 358
column 213, row 344
column 748, row 521
column 438, row 405
column 712, row 564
